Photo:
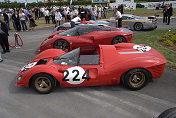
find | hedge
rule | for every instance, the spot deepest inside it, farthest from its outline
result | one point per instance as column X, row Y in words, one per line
column 39, row 4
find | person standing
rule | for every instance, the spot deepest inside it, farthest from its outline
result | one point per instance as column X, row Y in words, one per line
column 73, row 21
column 23, row 20
column 31, row 21
column 36, row 13
column 93, row 14
column 170, row 13
column 165, row 14
column 58, row 17
column 6, row 18
column 119, row 17
column 4, row 36
column 16, row 19
column 46, row 13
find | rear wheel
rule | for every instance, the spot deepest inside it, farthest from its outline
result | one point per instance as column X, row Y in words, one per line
column 61, row 44
column 138, row 26
column 43, row 83
column 118, row 39
column 136, row 79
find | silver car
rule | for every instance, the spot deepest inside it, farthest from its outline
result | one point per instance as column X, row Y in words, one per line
column 134, row 22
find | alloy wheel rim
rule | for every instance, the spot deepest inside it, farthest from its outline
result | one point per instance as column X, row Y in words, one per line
column 61, row 45
column 42, row 84
column 137, row 79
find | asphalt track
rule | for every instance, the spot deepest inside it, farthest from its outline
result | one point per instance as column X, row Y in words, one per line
column 83, row 102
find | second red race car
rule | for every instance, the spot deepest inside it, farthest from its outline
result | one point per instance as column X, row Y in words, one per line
column 87, row 37
column 132, row 65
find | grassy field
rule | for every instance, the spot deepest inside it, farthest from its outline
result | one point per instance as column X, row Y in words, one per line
column 142, row 12
column 41, row 24
column 151, row 39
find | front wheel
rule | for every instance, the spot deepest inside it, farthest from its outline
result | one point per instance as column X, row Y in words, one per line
column 118, row 39
column 61, row 44
column 43, row 83
column 136, row 79
column 169, row 113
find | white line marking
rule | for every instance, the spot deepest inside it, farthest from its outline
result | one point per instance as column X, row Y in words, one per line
column 153, row 99
column 7, row 70
column 138, row 107
column 104, row 104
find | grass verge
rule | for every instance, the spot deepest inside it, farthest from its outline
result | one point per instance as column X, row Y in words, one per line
column 151, row 39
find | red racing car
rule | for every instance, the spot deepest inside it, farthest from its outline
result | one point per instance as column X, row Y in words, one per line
column 87, row 37
column 127, row 63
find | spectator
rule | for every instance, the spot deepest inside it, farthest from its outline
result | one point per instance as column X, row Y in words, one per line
column 73, row 21
column 46, row 13
column 6, row 18
column 58, row 17
column 4, row 36
column 93, row 14
column 16, row 19
column 119, row 17
column 83, row 13
column 23, row 20
column 170, row 13
column 36, row 13
column 31, row 21
column 165, row 14
column 53, row 16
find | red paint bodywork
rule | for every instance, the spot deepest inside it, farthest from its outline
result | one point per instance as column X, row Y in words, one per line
column 87, row 42
column 111, row 68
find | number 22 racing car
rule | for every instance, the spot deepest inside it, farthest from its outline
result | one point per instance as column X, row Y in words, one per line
column 126, row 63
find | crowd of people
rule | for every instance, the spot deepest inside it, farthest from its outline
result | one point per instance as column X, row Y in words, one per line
column 23, row 19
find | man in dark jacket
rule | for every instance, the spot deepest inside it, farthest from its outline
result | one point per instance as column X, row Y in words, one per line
column 170, row 13
column 16, row 19
column 6, row 19
column 4, row 36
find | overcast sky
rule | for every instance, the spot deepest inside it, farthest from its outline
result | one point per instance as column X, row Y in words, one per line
column 22, row 0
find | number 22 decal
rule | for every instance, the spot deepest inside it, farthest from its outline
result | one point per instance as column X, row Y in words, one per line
column 75, row 75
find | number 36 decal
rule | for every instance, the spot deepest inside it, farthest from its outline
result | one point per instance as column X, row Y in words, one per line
column 75, row 75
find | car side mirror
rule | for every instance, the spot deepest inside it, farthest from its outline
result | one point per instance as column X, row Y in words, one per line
column 66, row 50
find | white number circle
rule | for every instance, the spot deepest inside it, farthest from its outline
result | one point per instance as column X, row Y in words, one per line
column 72, row 74
column 142, row 48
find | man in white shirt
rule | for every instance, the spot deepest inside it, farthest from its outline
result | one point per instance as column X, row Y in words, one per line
column 73, row 21
column 58, row 17
column 119, row 17
column 46, row 13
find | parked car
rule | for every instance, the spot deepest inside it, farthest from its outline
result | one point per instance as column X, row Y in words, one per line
column 139, row 6
column 137, row 23
column 132, row 65
column 87, row 37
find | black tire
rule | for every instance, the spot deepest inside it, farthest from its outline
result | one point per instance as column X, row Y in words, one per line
column 61, row 28
column 43, row 83
column 61, row 44
column 118, row 39
column 136, row 79
column 138, row 26
column 169, row 113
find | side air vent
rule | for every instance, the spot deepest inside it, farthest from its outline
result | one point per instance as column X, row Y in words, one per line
column 42, row 61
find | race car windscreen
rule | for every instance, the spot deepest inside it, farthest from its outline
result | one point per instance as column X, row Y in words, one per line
column 70, row 58
column 70, row 32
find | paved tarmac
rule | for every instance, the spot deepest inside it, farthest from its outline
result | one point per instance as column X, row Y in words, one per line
column 82, row 102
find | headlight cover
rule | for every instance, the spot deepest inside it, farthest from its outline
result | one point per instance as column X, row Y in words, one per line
column 20, row 77
column 30, row 65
